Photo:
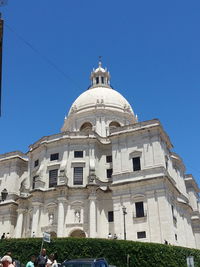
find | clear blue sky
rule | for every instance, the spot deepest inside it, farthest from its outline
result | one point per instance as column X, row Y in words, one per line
column 152, row 49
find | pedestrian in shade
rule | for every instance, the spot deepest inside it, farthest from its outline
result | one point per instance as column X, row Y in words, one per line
column 31, row 263
column 3, row 236
column 42, row 258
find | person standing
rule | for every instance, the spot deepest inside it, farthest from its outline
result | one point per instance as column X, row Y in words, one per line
column 42, row 258
column 31, row 262
column 109, row 236
column 3, row 236
column 7, row 261
column 53, row 260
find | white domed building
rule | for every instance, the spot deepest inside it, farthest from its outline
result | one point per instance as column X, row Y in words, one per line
column 105, row 175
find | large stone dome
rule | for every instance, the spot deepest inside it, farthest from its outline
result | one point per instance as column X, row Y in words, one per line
column 100, row 96
column 100, row 107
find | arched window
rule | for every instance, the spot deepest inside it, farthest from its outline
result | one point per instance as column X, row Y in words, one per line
column 97, row 80
column 114, row 124
column 86, row 127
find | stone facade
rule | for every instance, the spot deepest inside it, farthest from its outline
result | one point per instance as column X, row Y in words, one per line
column 104, row 173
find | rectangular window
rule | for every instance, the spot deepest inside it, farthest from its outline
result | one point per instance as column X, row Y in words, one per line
column 102, row 79
column 97, row 80
column 109, row 173
column 78, row 175
column 139, row 208
column 108, row 159
column 34, row 181
column 54, row 156
column 78, row 154
column 36, row 163
column 110, row 216
column 136, row 164
column 173, row 215
column 141, row 234
column 53, row 175
column 172, row 207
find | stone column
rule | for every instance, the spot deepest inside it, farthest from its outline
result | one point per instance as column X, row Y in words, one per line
column 35, row 219
column 18, row 228
column 61, row 213
column 92, row 212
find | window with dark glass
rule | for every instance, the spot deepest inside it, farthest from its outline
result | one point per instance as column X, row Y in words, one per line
column 78, row 154
column 110, row 216
column 172, row 207
column 141, row 234
column 102, row 79
column 36, row 163
column 139, row 209
column 54, row 156
column 53, row 175
column 136, row 164
column 109, row 159
column 109, row 173
column 97, row 80
column 34, row 181
column 78, row 175
column 166, row 162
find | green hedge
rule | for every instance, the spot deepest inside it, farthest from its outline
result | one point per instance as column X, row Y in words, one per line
column 115, row 251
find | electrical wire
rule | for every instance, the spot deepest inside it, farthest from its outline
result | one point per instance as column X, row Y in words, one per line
column 44, row 57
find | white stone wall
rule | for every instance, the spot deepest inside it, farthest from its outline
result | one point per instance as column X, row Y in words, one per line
column 68, row 208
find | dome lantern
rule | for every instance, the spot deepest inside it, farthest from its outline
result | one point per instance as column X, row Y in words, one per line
column 100, row 77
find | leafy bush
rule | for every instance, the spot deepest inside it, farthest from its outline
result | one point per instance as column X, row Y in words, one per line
column 115, row 251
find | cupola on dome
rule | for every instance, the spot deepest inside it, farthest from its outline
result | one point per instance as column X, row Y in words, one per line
column 99, row 100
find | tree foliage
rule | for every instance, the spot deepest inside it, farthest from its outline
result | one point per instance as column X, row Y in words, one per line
column 115, row 251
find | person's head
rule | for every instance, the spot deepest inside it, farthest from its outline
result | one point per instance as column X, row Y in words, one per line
column 52, row 257
column 9, row 253
column 33, row 258
column 6, row 260
column 44, row 252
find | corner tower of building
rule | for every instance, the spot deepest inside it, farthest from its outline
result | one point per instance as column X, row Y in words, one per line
column 100, row 108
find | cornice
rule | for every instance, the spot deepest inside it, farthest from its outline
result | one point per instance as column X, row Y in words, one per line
column 46, row 140
column 13, row 155
column 191, row 183
column 141, row 126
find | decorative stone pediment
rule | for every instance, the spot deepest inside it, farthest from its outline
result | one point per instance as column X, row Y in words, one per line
column 135, row 153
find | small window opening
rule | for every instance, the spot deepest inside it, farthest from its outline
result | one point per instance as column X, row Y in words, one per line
column 97, row 80
column 54, row 156
column 78, row 154
column 141, row 234
column 53, row 175
column 34, row 181
column 109, row 173
column 136, row 164
column 36, row 163
column 139, row 208
column 78, row 175
column 108, row 159
column 86, row 127
column 110, row 216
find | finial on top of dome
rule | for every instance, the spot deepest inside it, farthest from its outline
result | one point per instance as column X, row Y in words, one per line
column 100, row 61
